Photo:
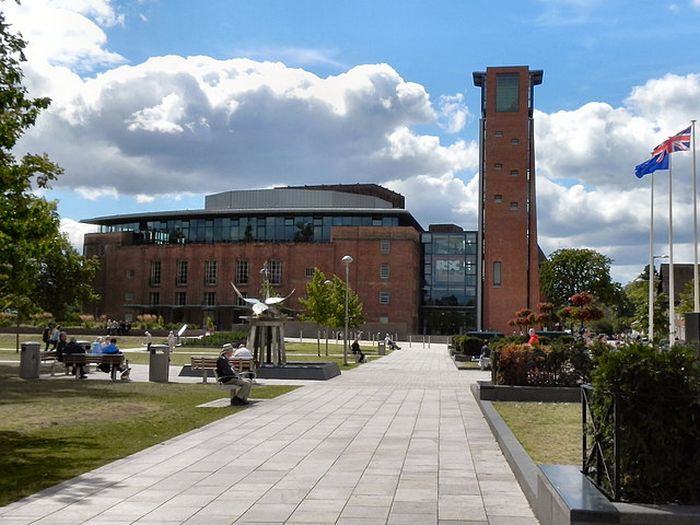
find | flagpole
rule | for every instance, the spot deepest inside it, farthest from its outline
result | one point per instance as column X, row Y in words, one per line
column 651, row 263
column 671, row 291
column 696, row 286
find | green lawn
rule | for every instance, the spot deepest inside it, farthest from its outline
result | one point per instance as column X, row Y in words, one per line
column 549, row 432
column 51, row 431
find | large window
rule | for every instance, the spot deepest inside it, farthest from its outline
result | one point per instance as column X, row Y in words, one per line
column 383, row 297
column 385, row 246
column 274, row 272
column 209, row 273
column 155, row 273
column 181, row 298
column 210, row 298
column 242, row 271
column 181, row 273
column 154, row 298
column 507, row 88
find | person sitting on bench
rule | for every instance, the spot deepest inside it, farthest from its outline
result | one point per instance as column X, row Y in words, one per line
column 226, row 375
column 357, row 352
column 74, row 348
column 112, row 348
column 391, row 344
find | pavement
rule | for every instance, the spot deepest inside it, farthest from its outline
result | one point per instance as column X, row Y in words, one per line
column 397, row 441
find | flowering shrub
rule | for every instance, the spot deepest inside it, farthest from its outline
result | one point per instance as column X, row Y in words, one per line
column 559, row 364
column 41, row 318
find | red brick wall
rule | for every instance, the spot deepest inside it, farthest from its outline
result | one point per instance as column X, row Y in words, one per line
column 506, row 229
column 119, row 258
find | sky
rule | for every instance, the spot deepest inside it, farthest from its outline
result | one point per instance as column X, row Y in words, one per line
column 156, row 103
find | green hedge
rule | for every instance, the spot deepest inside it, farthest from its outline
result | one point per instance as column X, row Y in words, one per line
column 559, row 364
column 218, row 339
column 659, row 421
column 467, row 345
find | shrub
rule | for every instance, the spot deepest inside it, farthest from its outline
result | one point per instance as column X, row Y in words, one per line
column 658, row 415
column 217, row 339
column 559, row 364
column 7, row 319
column 41, row 318
column 467, row 345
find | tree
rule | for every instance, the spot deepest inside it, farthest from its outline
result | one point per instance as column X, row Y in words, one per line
column 64, row 280
column 28, row 224
column 583, row 309
column 325, row 303
column 637, row 294
column 317, row 303
column 570, row 271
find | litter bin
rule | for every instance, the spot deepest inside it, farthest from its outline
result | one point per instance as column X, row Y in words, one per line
column 29, row 361
column 159, row 364
column 381, row 348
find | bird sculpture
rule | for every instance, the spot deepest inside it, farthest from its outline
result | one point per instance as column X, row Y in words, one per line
column 266, row 305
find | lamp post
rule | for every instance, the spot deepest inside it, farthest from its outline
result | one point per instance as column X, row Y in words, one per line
column 346, row 261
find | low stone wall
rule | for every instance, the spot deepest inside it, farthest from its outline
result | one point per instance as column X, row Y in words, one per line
column 562, row 495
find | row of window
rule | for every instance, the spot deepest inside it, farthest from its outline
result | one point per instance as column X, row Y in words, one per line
column 210, row 298
column 272, row 268
column 245, row 229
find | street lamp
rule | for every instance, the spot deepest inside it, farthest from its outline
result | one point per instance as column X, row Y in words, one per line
column 346, row 261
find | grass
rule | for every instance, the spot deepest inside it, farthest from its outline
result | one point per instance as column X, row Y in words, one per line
column 549, row 432
column 51, row 431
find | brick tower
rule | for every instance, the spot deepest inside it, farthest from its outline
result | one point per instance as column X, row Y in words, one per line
column 509, row 255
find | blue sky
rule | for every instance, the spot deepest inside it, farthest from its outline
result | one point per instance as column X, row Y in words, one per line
column 158, row 102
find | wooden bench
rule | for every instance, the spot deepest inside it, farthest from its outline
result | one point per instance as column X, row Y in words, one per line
column 113, row 360
column 206, row 363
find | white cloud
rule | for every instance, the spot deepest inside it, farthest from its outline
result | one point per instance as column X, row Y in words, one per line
column 65, row 32
column 300, row 56
column 93, row 194
column 175, row 126
column 76, row 232
column 453, row 113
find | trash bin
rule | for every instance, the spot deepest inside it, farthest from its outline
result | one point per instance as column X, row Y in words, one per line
column 29, row 361
column 159, row 364
column 381, row 348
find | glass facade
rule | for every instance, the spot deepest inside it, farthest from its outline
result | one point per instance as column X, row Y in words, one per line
column 276, row 228
column 449, row 282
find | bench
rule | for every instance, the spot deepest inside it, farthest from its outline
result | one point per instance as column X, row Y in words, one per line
column 206, row 363
column 113, row 360
column 49, row 357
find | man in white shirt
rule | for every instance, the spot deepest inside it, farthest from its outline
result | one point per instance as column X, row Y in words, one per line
column 242, row 352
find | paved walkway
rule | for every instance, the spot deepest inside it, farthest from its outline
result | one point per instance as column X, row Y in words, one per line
column 396, row 441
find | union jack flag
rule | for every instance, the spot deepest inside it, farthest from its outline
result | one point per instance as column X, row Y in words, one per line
column 679, row 142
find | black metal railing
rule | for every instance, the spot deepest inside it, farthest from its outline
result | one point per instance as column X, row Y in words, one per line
column 601, row 441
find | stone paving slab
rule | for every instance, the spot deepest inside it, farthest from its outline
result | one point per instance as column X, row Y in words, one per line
column 397, row 441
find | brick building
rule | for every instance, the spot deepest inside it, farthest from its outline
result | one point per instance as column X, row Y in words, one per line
column 507, row 234
column 179, row 264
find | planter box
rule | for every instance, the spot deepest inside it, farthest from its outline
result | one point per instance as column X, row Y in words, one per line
column 548, row 394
